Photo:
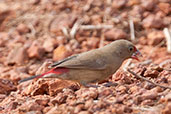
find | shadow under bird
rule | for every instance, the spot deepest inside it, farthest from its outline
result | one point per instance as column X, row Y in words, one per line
column 92, row 66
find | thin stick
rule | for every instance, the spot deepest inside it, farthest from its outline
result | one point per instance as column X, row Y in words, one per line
column 65, row 31
column 131, row 24
column 139, row 76
column 75, row 28
column 92, row 27
column 168, row 39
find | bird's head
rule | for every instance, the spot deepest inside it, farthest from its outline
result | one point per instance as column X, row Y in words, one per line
column 125, row 49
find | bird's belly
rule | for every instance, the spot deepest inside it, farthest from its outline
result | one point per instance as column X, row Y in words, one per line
column 86, row 76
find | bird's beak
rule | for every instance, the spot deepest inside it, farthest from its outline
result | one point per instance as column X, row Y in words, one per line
column 136, row 54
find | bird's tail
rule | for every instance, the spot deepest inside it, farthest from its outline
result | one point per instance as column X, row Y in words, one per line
column 30, row 78
column 56, row 71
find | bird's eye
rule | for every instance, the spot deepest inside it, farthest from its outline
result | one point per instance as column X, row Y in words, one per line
column 131, row 49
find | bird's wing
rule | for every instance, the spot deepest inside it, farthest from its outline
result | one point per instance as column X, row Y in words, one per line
column 87, row 60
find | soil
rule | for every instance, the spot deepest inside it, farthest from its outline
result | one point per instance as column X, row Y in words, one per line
column 35, row 33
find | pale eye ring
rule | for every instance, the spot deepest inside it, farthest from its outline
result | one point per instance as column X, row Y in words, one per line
column 131, row 49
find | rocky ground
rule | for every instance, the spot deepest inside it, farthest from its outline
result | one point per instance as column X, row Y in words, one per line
column 34, row 33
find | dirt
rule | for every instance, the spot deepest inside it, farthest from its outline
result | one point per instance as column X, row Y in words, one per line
column 35, row 33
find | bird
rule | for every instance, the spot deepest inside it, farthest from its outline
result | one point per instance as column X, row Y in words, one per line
column 92, row 66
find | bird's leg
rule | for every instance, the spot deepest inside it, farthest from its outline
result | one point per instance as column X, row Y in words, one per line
column 108, row 84
column 89, row 85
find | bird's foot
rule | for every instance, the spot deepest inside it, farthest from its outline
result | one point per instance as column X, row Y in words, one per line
column 90, row 85
column 109, row 84
column 94, row 86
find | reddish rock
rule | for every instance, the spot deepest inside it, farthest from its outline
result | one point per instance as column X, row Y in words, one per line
column 133, row 2
column 42, row 100
column 40, row 87
column 149, row 4
column 49, row 44
column 56, row 86
column 137, row 11
column 148, row 102
column 61, row 21
column 167, row 109
column 155, row 37
column 59, row 99
column 31, row 105
column 17, row 55
column 35, row 50
column 153, row 21
column 17, row 73
column 46, row 109
column 35, row 2
column 143, row 40
column 13, row 105
column 6, row 86
column 87, row 93
column 3, row 38
column 78, row 108
column 105, row 93
column 148, row 85
column 17, row 38
column 115, row 34
column 91, row 43
column 55, row 110
column 2, row 97
column 47, row 86
column 89, row 103
column 165, row 7
column 150, row 94
column 134, row 89
column 119, row 3
column 84, row 112
column 120, row 109
column 96, row 19
column 121, row 89
column 151, row 73
column 5, row 12
column 157, row 68
column 60, row 53
column 22, row 28
column 32, row 69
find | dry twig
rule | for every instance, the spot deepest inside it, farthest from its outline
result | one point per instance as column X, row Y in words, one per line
column 139, row 76
column 65, row 31
column 75, row 28
column 92, row 27
column 131, row 24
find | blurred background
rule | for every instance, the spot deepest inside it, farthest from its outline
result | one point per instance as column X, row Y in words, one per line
column 34, row 33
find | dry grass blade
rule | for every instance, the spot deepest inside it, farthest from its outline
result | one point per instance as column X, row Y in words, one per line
column 65, row 31
column 92, row 27
column 75, row 28
column 168, row 39
column 139, row 76
column 131, row 24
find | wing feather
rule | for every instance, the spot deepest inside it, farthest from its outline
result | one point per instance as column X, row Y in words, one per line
column 87, row 60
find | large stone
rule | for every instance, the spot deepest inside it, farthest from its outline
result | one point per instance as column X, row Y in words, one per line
column 115, row 34
column 153, row 21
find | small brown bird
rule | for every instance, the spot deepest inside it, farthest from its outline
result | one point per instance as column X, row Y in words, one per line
column 92, row 66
